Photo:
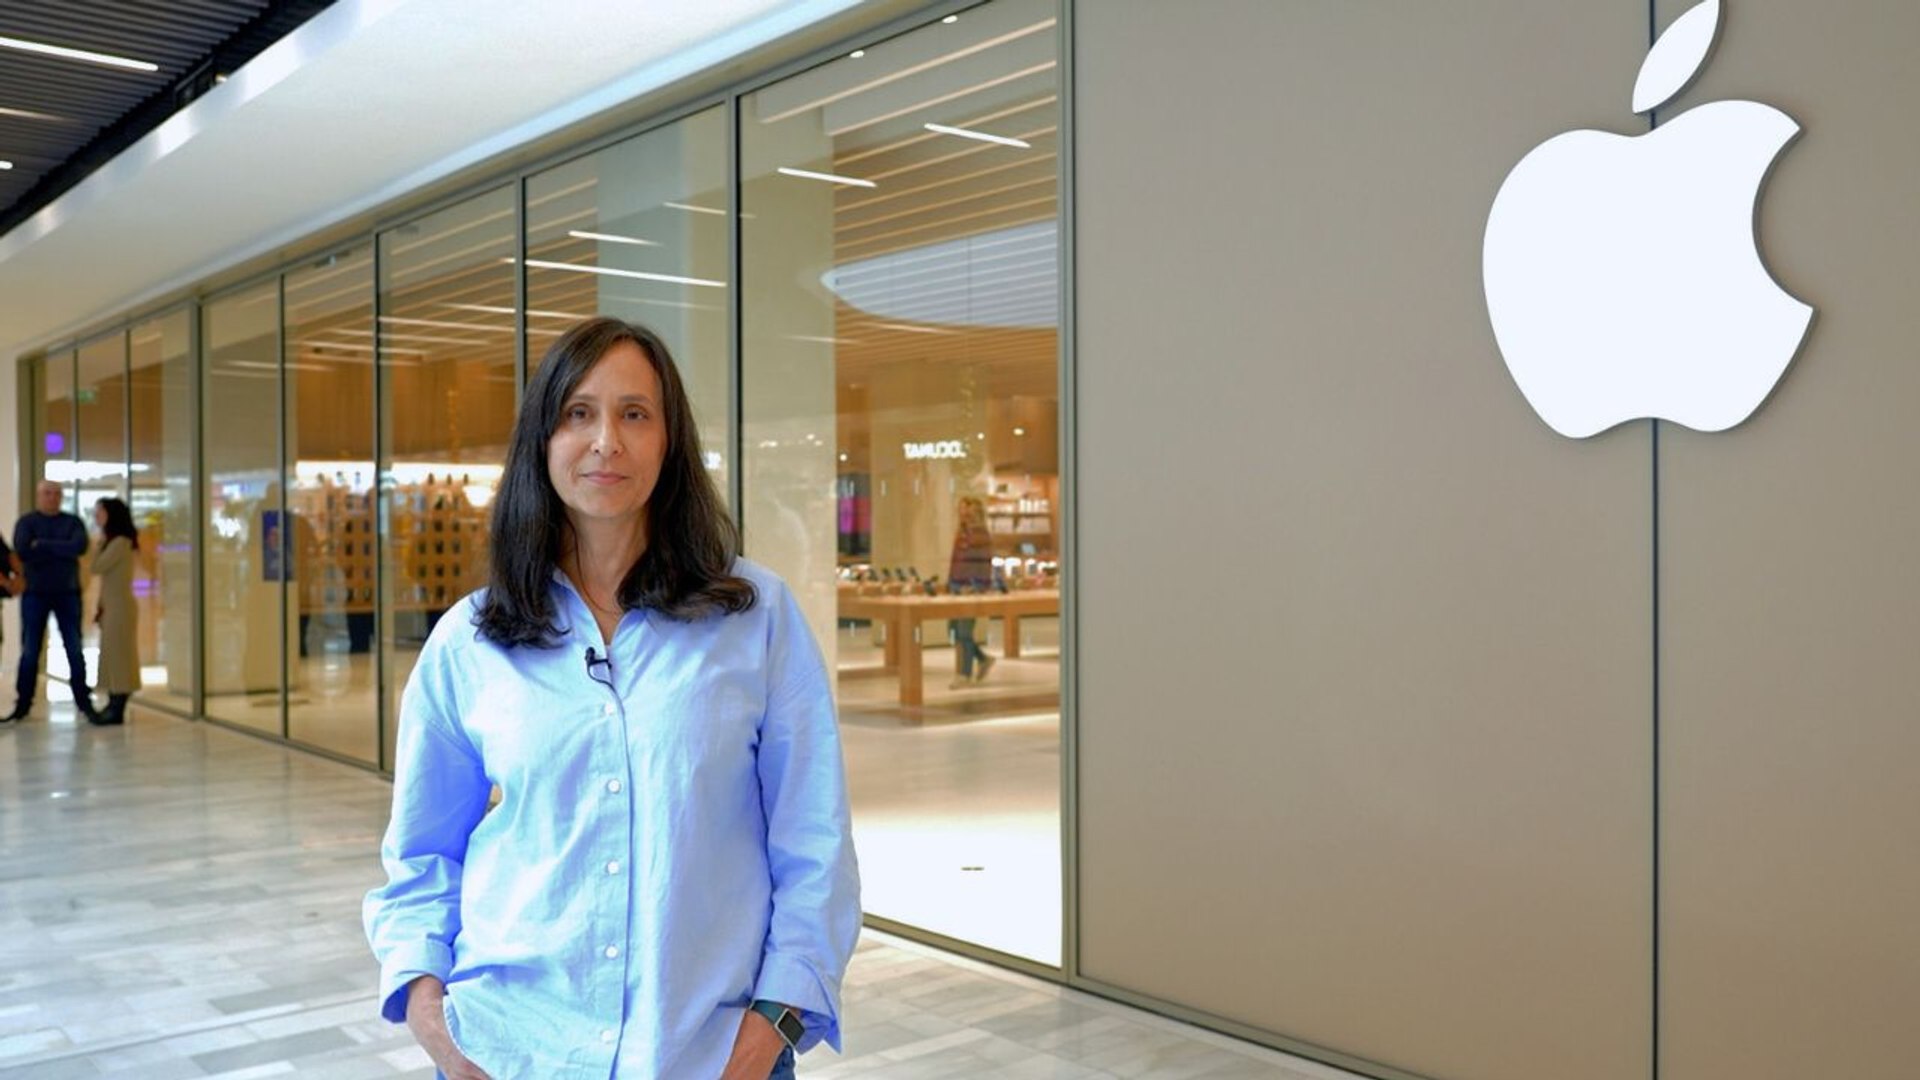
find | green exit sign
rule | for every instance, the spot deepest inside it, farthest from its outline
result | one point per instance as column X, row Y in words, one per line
column 84, row 396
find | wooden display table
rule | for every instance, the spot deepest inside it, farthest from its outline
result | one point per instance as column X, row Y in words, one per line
column 903, row 615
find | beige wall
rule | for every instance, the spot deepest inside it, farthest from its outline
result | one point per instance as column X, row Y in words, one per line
column 1790, row 601
column 1364, row 672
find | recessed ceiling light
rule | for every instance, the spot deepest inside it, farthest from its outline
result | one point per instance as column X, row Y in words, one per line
column 828, row 177
column 6, row 164
column 65, row 53
column 857, row 54
column 1003, row 140
column 951, row 19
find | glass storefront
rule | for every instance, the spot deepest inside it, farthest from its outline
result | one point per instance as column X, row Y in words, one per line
column 100, row 425
column 638, row 231
column 327, row 378
column 447, row 398
column 900, row 268
column 857, row 267
column 160, row 430
column 245, row 637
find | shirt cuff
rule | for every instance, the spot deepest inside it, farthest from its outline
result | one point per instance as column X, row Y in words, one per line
column 793, row 982
column 406, row 964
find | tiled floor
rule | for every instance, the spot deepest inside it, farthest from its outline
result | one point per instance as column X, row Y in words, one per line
column 179, row 900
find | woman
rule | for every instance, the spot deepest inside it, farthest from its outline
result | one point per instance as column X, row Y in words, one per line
column 115, row 613
column 971, row 570
column 667, row 887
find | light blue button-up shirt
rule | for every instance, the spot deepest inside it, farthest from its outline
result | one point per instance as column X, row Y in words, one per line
column 666, row 848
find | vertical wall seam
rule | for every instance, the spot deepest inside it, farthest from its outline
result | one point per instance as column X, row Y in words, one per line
column 1653, row 428
column 1068, row 509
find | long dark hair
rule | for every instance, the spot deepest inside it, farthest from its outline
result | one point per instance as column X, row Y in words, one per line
column 119, row 520
column 686, row 570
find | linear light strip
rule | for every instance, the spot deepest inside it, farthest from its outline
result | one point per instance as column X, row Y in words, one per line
column 671, row 279
column 29, row 114
column 999, row 140
column 805, row 174
column 915, row 139
column 446, row 323
column 65, row 53
column 582, row 234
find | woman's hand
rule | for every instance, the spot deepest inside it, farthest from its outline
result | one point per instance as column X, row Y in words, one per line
column 429, row 1026
column 755, row 1049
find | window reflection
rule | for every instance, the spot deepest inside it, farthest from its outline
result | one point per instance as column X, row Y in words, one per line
column 328, row 377
column 624, row 232
column 445, row 345
column 245, row 557
column 160, row 437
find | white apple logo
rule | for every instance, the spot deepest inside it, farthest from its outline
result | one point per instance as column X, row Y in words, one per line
column 1622, row 275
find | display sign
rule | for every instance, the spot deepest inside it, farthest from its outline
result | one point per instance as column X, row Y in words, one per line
column 946, row 449
column 1622, row 275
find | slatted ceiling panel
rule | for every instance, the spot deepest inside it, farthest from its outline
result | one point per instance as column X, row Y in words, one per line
column 88, row 106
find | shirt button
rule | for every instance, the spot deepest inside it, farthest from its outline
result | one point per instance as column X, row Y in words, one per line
column 613, row 866
column 613, row 786
column 607, row 1035
column 612, row 951
column 607, row 710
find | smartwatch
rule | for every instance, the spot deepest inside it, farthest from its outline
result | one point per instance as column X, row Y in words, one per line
column 784, row 1020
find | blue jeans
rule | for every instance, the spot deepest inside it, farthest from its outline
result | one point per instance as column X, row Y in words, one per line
column 970, row 651
column 34, row 609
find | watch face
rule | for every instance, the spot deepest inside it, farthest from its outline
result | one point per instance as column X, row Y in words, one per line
column 790, row 1027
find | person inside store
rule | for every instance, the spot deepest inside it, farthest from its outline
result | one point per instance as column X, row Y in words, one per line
column 12, row 582
column 114, row 611
column 50, row 542
column 971, row 570
column 666, row 887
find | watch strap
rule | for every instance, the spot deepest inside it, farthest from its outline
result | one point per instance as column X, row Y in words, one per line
column 784, row 1020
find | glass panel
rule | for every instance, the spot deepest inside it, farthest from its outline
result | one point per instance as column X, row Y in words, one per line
column 246, row 563
column 59, row 444
column 55, row 421
column 100, row 411
column 331, row 700
column 446, row 408
column 161, row 380
column 100, row 416
column 639, row 231
column 899, row 395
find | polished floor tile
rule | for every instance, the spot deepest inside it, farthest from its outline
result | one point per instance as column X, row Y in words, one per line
column 179, row 900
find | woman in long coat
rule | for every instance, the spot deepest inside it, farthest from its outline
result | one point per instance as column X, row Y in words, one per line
column 116, row 614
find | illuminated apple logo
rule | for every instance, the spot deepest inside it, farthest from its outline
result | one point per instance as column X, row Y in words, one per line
column 1622, row 274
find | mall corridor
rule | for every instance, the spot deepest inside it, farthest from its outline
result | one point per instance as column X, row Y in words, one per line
column 180, row 900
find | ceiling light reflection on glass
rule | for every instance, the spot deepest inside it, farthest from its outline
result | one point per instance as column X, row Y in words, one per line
column 1002, row 140
column 805, row 174
column 671, row 279
column 582, row 234
column 966, row 282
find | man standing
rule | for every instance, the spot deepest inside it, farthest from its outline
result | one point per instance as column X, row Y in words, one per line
column 49, row 543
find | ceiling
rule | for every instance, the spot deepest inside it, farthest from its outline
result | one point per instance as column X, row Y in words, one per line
column 61, row 116
column 367, row 101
